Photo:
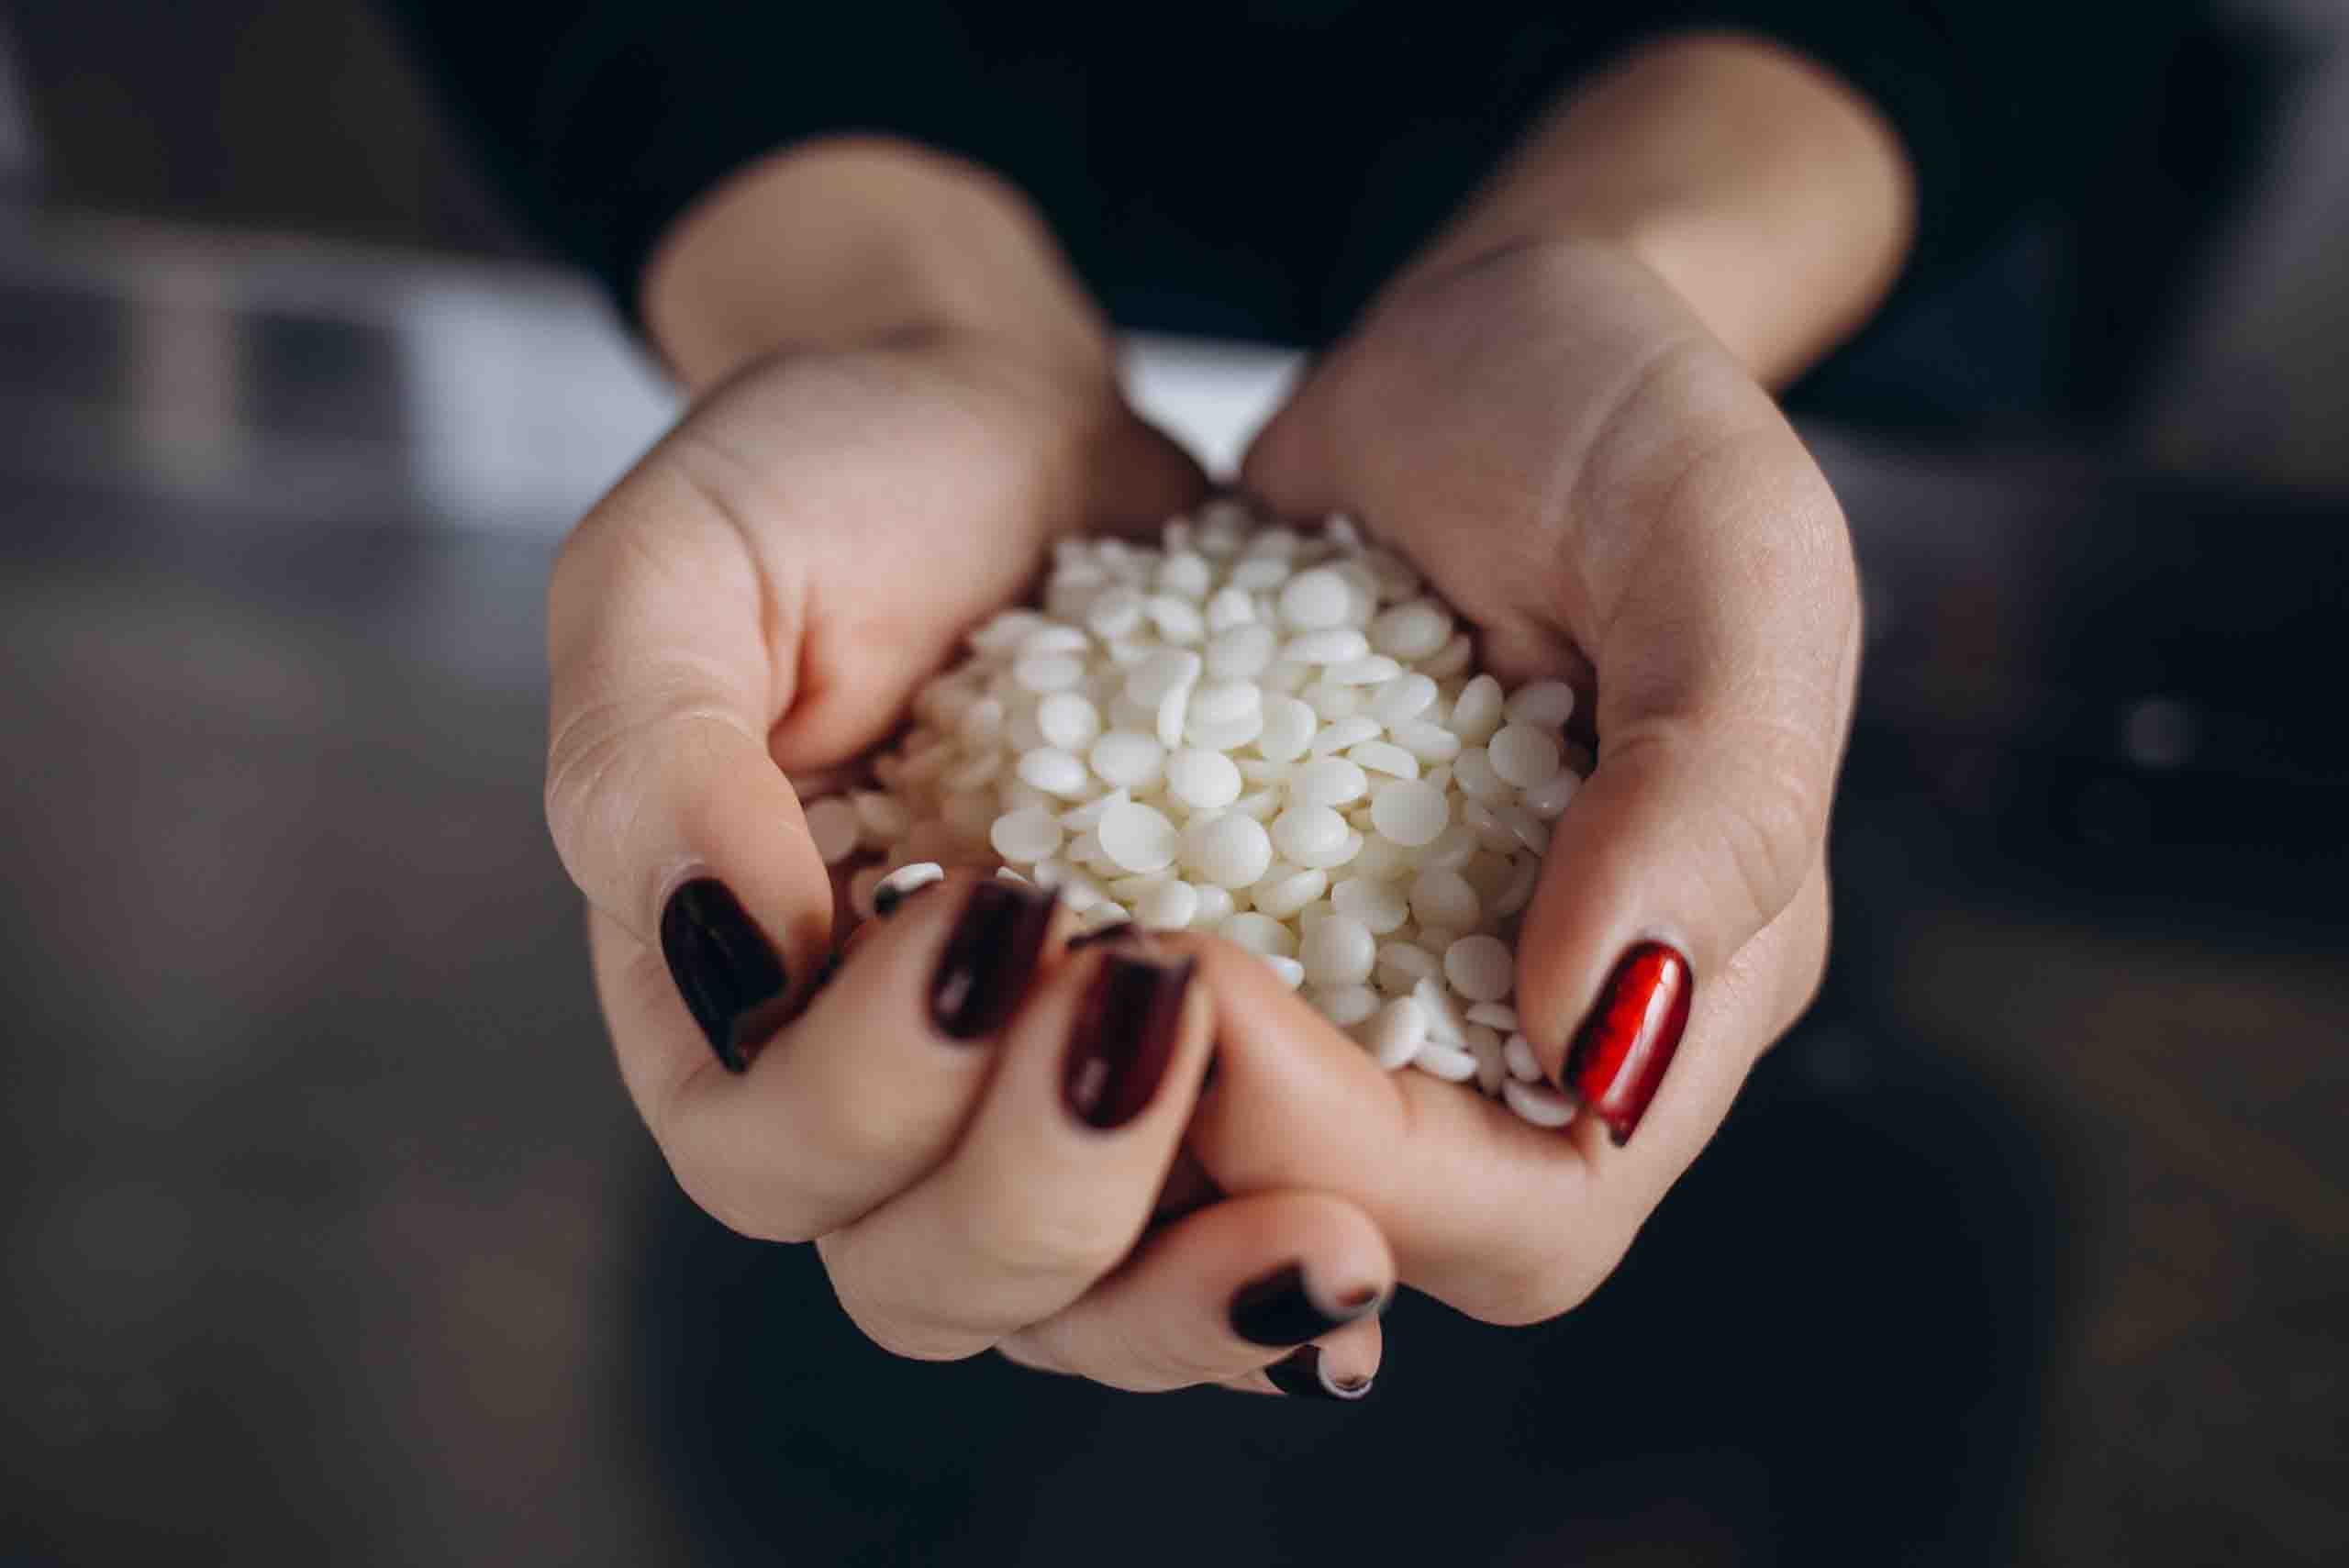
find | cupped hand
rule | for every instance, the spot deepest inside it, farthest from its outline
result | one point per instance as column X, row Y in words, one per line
column 761, row 597
column 1573, row 462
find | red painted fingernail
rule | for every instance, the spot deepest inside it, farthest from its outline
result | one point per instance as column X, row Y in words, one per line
column 1126, row 1033
column 1620, row 1054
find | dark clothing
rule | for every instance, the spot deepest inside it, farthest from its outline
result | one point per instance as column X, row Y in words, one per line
column 1254, row 169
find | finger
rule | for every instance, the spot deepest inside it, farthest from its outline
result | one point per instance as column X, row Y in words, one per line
column 1227, row 1292
column 664, row 804
column 868, row 1089
column 1054, row 1179
column 1725, row 666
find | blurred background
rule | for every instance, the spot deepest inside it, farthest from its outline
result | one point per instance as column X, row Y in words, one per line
column 330, row 1235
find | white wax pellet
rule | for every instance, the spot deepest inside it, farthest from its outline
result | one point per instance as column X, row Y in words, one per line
column 1331, row 702
column 1202, row 780
column 1225, row 735
column 1444, row 898
column 1407, row 963
column 1402, row 699
column 1305, row 833
column 1525, row 874
column 1451, row 659
column 1337, row 951
column 1176, row 619
column 1517, row 1054
column 1541, row 1107
column 1025, row 835
column 1408, row 812
column 1169, row 907
column 1168, row 724
column 1545, row 704
column 881, row 818
column 1184, row 571
column 1480, row 968
column 832, row 823
column 1527, row 831
column 1443, row 1018
column 1522, row 755
column 1476, row 712
column 1346, row 1005
column 1264, row 804
column 1056, row 772
column 1283, row 898
column 1292, row 973
column 1169, row 668
column 1494, row 1016
column 1260, row 572
column 1314, row 598
column 1399, row 1034
column 1228, row 607
column 1129, row 759
column 1241, row 651
column 1550, row 799
column 1004, row 631
column 1052, row 638
column 1449, row 1063
column 1230, row 850
column 1480, row 819
column 1338, row 645
column 981, row 724
column 1216, row 906
column 1381, row 906
column 1220, row 702
column 1491, row 1073
column 1411, row 630
column 1342, row 734
column 1068, row 721
column 1472, row 772
column 1127, row 889
column 1138, row 838
column 1382, row 861
column 1386, row 757
column 1088, row 817
column 1334, row 855
column 1327, row 781
column 1374, row 670
column 1289, row 727
column 1260, row 933
column 1048, row 672
column 1114, row 613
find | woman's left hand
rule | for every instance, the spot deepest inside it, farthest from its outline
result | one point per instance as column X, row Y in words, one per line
column 1552, row 437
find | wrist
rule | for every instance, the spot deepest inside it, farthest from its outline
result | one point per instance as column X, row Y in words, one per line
column 849, row 243
column 1766, row 193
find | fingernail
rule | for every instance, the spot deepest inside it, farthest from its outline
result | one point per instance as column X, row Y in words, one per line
column 1126, row 1032
column 724, row 968
column 1620, row 1054
column 1276, row 1310
column 1303, row 1374
column 989, row 958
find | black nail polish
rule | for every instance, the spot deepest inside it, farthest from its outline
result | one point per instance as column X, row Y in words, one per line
column 1301, row 1376
column 1127, row 1030
column 1275, row 1310
column 724, row 968
column 989, row 958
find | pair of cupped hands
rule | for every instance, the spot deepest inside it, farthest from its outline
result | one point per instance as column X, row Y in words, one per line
column 1556, row 442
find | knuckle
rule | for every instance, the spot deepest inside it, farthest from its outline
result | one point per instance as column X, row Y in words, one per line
column 1773, row 816
column 751, row 1209
column 1046, row 1242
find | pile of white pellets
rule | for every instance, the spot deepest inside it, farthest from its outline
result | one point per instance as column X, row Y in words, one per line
column 1273, row 735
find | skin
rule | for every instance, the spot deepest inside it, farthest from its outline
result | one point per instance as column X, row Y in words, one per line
column 1573, row 381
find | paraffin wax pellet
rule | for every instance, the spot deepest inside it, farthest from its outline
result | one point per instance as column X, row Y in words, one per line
column 1545, row 704
column 1169, row 907
column 1399, row 1033
column 1138, row 838
column 1523, row 756
column 1480, row 968
column 1230, row 850
column 1314, row 599
column 1327, row 781
column 1025, row 835
column 1337, row 951
column 1199, row 780
column 1408, row 812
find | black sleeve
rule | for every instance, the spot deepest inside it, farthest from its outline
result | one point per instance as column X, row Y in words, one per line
column 602, row 120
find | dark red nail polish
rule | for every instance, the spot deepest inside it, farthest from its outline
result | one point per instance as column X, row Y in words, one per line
column 1620, row 1054
column 1126, row 1032
column 725, row 969
column 989, row 958
column 1301, row 1376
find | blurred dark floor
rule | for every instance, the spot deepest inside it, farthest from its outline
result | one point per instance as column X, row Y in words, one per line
column 332, row 1237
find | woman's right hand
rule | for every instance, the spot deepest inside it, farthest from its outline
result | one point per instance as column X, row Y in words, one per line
column 763, row 595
